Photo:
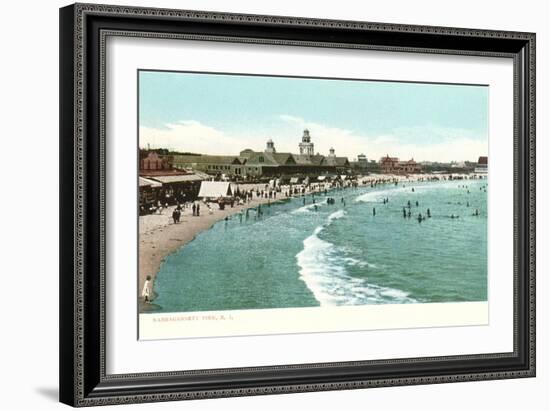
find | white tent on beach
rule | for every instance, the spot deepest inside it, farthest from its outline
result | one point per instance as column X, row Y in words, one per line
column 211, row 190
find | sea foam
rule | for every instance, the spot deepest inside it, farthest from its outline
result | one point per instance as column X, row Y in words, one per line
column 376, row 195
column 322, row 268
column 308, row 208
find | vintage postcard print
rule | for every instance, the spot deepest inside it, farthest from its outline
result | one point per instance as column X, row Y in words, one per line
column 271, row 204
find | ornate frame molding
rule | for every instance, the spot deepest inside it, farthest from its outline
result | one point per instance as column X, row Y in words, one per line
column 82, row 369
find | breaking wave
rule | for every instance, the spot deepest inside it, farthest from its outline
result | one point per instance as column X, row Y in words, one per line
column 322, row 268
column 308, row 208
column 376, row 195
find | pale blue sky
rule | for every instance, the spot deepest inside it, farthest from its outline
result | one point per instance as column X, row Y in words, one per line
column 182, row 109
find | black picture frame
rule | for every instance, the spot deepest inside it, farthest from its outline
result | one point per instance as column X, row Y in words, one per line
column 83, row 381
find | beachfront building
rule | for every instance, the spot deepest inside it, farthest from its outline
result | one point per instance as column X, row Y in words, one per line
column 268, row 163
column 361, row 165
column 149, row 191
column 341, row 164
column 482, row 165
column 392, row 165
column 388, row 165
column 305, row 163
column 409, row 167
column 362, row 160
column 210, row 164
column 158, row 188
column 152, row 161
column 250, row 164
column 160, row 183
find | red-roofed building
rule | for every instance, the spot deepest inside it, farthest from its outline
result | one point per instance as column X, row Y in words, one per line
column 153, row 162
column 482, row 165
column 388, row 165
column 409, row 166
column 392, row 165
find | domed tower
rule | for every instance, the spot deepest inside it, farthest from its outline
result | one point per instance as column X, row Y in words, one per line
column 270, row 146
column 331, row 152
column 306, row 146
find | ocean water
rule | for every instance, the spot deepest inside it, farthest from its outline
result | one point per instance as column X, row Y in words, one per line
column 340, row 254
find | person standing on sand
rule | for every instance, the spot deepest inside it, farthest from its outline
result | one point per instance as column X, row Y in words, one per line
column 146, row 293
column 194, row 209
column 198, row 210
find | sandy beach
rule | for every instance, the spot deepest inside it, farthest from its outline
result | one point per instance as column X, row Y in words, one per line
column 159, row 236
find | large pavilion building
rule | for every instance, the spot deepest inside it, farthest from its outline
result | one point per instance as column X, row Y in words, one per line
column 267, row 163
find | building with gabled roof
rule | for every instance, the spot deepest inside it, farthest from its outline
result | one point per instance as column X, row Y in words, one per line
column 392, row 165
column 211, row 164
column 482, row 165
column 267, row 163
column 341, row 163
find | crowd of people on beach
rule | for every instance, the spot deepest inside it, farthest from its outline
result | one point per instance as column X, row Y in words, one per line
column 266, row 193
column 244, row 197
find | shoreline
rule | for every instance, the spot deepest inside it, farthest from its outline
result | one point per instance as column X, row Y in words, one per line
column 159, row 236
